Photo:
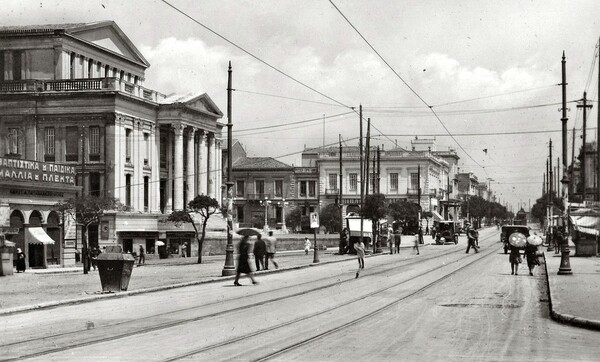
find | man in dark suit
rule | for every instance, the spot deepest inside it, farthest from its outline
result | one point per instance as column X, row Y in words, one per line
column 260, row 249
column 472, row 239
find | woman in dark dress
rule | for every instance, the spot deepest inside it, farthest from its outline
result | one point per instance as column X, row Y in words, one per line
column 531, row 255
column 20, row 261
column 243, row 265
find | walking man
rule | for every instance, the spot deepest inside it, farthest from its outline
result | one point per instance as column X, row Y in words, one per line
column 419, row 240
column 397, row 239
column 142, row 259
column 260, row 249
column 270, row 242
column 360, row 254
column 471, row 239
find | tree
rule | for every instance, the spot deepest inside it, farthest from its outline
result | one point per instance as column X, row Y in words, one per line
column 203, row 205
column 403, row 210
column 374, row 209
column 86, row 210
column 538, row 210
column 293, row 219
column 330, row 218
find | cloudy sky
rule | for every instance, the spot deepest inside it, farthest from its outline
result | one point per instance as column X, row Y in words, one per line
column 490, row 70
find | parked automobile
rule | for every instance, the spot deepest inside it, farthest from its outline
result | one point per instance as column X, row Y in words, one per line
column 507, row 230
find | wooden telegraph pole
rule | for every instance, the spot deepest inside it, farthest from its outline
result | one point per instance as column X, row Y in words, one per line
column 585, row 106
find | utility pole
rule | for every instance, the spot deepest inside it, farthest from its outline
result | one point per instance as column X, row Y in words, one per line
column 229, row 267
column 419, row 192
column 550, row 198
column 598, row 137
column 368, row 158
column 340, row 205
column 585, row 106
column 565, row 264
column 572, row 184
column 378, row 170
column 362, row 183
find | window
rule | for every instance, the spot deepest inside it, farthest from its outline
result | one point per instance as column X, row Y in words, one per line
column 146, row 147
column 127, row 145
column 72, row 144
column 239, row 188
column 146, row 187
column 95, row 184
column 94, row 140
column 303, row 188
column 333, row 181
column 259, row 187
column 13, row 141
column 353, row 182
column 106, row 71
column 127, row 190
column 49, row 142
column 393, row 181
column 240, row 214
column 312, row 188
column 17, row 65
column 278, row 188
column 414, row 181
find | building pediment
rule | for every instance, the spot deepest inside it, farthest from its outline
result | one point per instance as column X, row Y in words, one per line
column 199, row 102
column 109, row 36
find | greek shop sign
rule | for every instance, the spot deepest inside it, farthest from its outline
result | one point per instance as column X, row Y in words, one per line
column 24, row 170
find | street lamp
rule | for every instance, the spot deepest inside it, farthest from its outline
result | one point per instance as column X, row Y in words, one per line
column 283, row 204
column 266, row 202
column 565, row 263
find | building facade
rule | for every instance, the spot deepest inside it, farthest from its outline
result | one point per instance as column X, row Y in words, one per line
column 73, row 94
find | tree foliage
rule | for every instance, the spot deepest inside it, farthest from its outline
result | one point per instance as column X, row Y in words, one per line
column 330, row 218
column 403, row 210
column 202, row 205
column 538, row 210
column 87, row 210
column 293, row 219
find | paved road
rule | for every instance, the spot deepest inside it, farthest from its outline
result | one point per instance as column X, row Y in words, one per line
column 440, row 305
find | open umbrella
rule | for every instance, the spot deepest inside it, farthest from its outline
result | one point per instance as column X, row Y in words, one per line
column 534, row 240
column 159, row 243
column 517, row 239
column 248, row 232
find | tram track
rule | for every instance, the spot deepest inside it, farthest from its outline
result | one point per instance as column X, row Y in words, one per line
column 191, row 354
column 55, row 341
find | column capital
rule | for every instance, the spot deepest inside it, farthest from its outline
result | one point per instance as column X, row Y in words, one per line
column 178, row 128
column 190, row 132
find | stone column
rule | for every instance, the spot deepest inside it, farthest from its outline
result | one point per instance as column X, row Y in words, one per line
column 218, row 172
column 202, row 165
column 178, row 168
column 211, row 165
column 191, row 162
column 169, row 185
column 154, row 162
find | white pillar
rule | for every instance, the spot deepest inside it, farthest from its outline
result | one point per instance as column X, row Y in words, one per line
column 218, row 172
column 169, row 186
column 153, row 161
column 202, row 165
column 211, row 165
column 191, row 162
column 178, row 169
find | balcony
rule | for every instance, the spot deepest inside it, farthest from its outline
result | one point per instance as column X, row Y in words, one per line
column 74, row 85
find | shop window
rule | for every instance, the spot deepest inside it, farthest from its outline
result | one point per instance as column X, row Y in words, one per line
column 127, row 245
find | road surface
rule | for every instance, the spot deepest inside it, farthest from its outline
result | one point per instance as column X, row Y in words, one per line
column 441, row 305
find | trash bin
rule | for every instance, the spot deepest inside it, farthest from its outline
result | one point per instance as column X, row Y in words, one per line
column 6, row 264
column 115, row 269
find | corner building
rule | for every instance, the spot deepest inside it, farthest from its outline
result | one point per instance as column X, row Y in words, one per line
column 74, row 95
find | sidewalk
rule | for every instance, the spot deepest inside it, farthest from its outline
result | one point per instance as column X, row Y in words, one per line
column 574, row 298
column 45, row 288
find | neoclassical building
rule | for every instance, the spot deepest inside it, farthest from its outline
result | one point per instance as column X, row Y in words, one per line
column 74, row 95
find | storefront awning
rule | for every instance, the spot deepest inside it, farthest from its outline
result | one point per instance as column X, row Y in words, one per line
column 586, row 221
column 37, row 235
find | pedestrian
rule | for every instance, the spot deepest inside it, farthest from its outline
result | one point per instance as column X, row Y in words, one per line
column 243, row 264
column 184, row 250
column 531, row 256
column 94, row 253
column 260, row 249
column 306, row 245
column 515, row 259
column 343, row 242
column 418, row 240
column 20, row 261
column 271, row 244
column 427, row 230
column 471, row 239
column 360, row 254
column 398, row 239
column 390, row 239
column 142, row 259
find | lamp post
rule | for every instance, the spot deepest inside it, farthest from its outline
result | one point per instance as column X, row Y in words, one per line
column 229, row 267
column 283, row 204
column 565, row 263
column 266, row 202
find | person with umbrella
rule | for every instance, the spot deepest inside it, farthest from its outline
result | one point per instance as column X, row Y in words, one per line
column 516, row 241
column 531, row 248
column 243, row 265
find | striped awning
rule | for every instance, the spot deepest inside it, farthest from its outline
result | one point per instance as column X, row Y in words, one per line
column 37, row 235
column 586, row 221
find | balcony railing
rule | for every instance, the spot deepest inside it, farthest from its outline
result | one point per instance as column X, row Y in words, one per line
column 71, row 85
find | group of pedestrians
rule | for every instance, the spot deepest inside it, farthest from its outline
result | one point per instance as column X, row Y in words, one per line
column 530, row 253
column 264, row 250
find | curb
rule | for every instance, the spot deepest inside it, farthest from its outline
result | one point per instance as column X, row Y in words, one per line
column 96, row 297
column 567, row 318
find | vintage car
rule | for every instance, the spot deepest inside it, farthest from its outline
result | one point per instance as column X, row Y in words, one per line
column 507, row 230
column 445, row 232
